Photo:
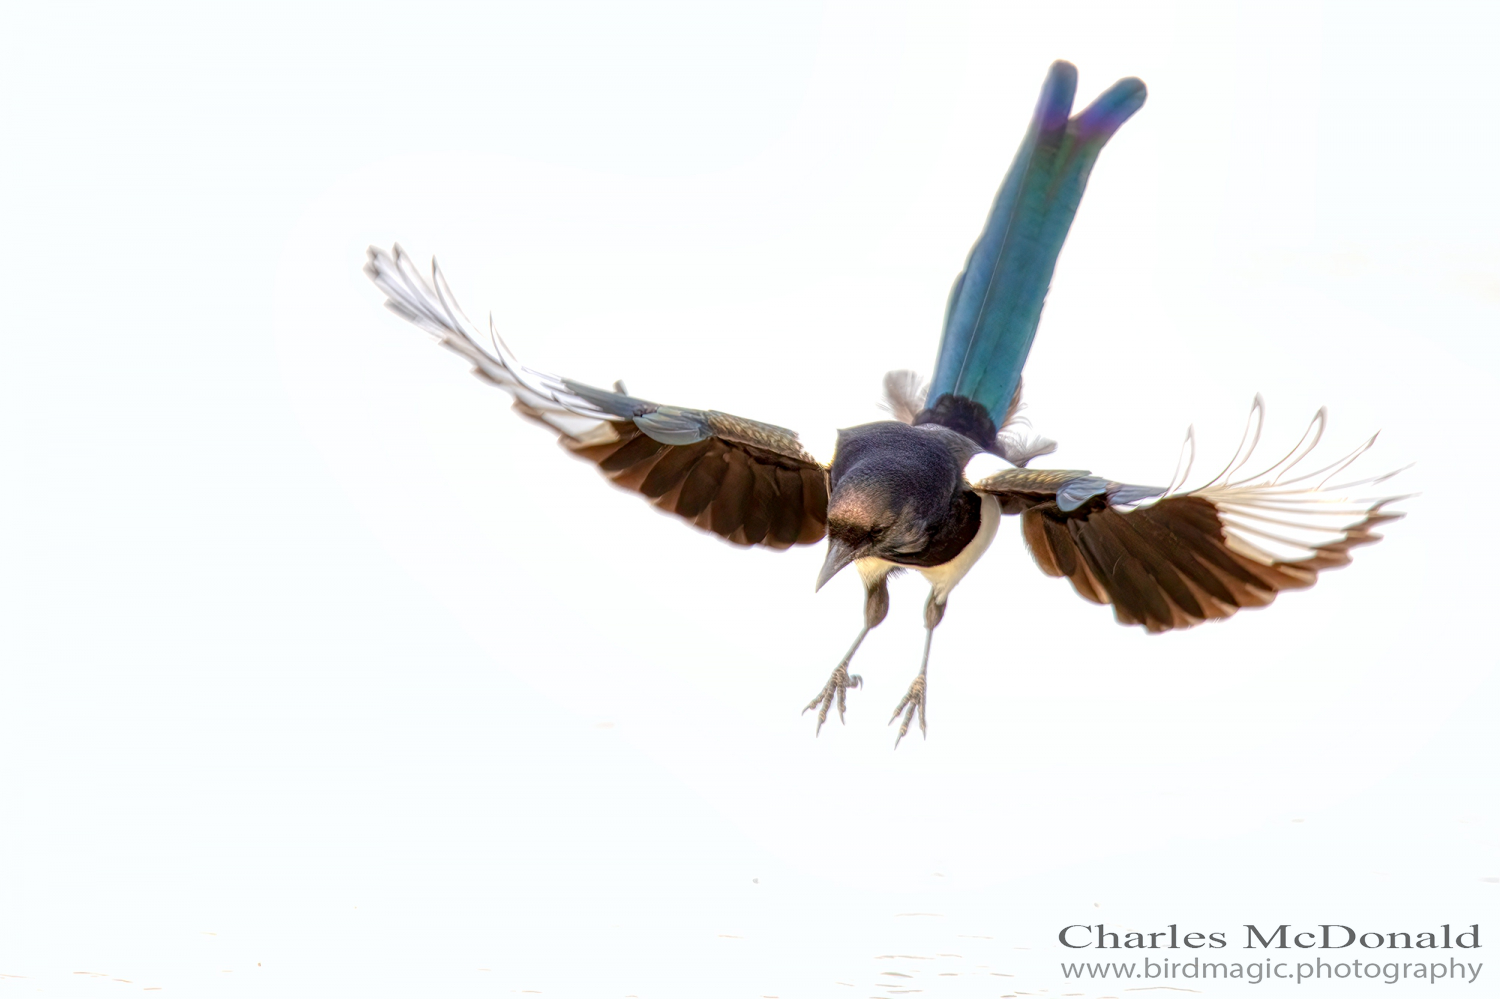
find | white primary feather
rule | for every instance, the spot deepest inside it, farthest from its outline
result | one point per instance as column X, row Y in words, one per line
column 432, row 307
column 1277, row 517
column 578, row 411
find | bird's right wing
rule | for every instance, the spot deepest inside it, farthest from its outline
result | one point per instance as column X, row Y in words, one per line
column 750, row 483
column 1197, row 555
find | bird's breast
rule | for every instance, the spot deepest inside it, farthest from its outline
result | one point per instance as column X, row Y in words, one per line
column 946, row 575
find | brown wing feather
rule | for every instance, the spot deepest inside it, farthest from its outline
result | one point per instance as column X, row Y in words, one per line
column 1171, row 565
column 787, row 512
column 744, row 493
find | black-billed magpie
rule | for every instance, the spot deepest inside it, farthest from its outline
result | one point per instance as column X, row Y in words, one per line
column 905, row 493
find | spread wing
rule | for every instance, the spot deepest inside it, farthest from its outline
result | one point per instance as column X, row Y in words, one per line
column 1198, row 555
column 750, row 483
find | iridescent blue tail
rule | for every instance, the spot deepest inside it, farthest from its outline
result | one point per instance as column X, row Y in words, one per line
column 997, row 300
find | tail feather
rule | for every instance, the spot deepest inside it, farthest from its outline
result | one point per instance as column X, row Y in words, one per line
column 996, row 302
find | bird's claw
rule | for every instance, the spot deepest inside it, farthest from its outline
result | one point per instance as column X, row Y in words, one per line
column 840, row 681
column 915, row 703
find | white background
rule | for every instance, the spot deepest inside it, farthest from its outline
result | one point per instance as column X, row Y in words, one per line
column 323, row 674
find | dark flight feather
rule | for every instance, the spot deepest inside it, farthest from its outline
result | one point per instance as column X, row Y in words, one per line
column 1189, row 557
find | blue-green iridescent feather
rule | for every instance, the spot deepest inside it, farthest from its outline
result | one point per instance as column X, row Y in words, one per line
column 996, row 302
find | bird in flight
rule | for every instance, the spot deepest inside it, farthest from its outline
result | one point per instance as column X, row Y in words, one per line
column 905, row 493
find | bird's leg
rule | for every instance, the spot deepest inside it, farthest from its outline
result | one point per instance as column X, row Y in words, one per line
column 877, row 602
column 915, row 701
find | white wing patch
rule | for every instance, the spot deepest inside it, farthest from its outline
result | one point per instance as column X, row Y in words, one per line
column 1287, row 514
column 581, row 413
column 431, row 306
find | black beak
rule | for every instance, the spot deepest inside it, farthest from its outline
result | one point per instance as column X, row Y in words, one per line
column 839, row 555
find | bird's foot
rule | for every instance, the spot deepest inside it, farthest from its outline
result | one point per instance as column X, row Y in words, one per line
column 915, row 703
column 840, row 681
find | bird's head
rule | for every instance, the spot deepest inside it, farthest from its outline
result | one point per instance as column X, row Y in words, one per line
column 886, row 501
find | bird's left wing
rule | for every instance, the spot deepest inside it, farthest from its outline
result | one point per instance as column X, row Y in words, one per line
column 748, row 482
column 1181, row 558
